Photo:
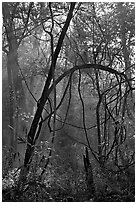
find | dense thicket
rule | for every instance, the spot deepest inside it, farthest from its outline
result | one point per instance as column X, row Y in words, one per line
column 68, row 101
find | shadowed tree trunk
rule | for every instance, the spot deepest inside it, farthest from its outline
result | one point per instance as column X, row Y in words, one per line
column 89, row 174
column 40, row 106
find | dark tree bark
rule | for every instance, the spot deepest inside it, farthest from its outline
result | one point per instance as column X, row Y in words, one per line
column 89, row 174
column 40, row 106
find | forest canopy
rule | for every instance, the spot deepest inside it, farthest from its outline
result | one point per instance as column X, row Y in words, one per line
column 68, row 99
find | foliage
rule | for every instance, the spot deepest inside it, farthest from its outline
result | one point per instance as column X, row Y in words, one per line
column 74, row 65
column 61, row 183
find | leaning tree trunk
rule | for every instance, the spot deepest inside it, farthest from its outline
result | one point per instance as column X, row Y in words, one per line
column 35, row 128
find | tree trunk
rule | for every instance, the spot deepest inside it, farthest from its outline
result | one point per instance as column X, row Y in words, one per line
column 35, row 123
column 89, row 174
column 11, row 105
column 16, row 95
column 125, row 42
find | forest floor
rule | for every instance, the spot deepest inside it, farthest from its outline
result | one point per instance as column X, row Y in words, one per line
column 36, row 190
column 41, row 194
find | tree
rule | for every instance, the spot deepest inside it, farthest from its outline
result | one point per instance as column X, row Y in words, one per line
column 86, row 58
column 19, row 21
column 12, row 37
column 32, row 135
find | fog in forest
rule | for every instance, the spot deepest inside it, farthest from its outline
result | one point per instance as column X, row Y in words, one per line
column 68, row 102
